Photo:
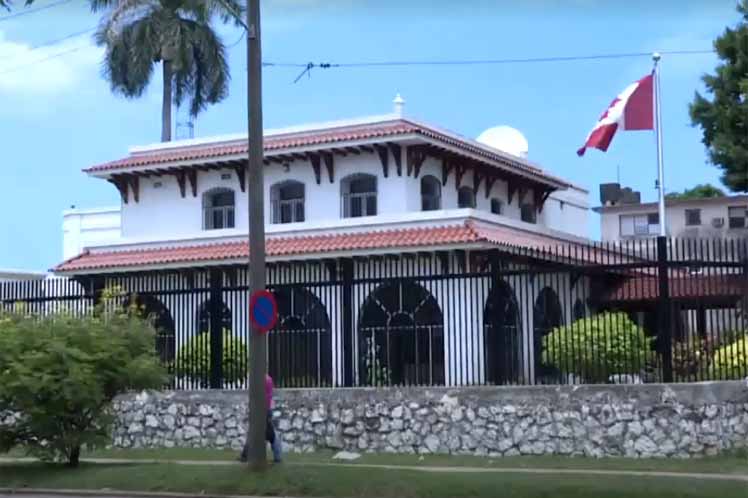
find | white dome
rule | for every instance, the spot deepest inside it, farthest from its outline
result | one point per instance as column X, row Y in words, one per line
column 506, row 139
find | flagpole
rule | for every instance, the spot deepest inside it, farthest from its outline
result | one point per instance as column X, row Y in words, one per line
column 658, row 133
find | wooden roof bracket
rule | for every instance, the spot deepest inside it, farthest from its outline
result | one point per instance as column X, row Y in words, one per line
column 121, row 185
column 241, row 174
column 398, row 155
column 329, row 165
column 315, row 160
column 447, row 166
column 384, row 158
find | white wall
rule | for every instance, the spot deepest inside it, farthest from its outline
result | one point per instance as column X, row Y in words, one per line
column 567, row 211
column 162, row 213
column 86, row 227
column 676, row 220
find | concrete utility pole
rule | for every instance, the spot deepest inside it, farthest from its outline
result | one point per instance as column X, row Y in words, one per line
column 256, row 204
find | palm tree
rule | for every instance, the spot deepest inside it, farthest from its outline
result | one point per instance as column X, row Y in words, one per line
column 139, row 34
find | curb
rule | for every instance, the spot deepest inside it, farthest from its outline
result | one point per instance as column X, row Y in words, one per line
column 105, row 493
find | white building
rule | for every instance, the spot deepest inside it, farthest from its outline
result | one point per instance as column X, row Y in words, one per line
column 372, row 226
column 11, row 275
column 623, row 217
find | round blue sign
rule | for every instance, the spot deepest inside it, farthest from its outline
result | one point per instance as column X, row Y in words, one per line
column 263, row 310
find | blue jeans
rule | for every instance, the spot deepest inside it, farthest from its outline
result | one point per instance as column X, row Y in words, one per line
column 272, row 438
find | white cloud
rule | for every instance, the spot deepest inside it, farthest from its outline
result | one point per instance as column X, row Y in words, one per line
column 46, row 71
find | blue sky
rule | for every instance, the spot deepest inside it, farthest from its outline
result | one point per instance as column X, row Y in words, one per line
column 58, row 116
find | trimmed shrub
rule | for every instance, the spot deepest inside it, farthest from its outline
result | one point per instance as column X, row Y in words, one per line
column 597, row 347
column 193, row 359
column 730, row 362
column 59, row 374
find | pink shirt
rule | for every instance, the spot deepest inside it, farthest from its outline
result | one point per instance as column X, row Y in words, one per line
column 268, row 391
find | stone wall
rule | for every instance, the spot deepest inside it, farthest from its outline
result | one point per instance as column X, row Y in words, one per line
column 611, row 420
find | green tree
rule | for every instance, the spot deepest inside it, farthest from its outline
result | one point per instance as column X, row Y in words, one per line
column 59, row 374
column 597, row 347
column 139, row 34
column 194, row 359
column 702, row 191
column 7, row 4
column 724, row 119
column 178, row 34
column 731, row 361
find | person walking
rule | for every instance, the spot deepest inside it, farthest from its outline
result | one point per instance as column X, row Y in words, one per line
column 270, row 435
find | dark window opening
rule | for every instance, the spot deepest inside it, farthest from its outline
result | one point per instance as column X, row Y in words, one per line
column 465, row 198
column 528, row 213
column 401, row 337
column 737, row 216
column 431, row 194
column 502, row 336
column 300, row 347
column 547, row 315
column 693, row 217
column 497, row 206
column 287, row 202
column 359, row 196
column 218, row 209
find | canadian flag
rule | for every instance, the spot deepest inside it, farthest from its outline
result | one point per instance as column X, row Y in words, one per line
column 633, row 109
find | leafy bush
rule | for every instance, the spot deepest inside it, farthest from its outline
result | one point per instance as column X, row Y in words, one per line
column 731, row 361
column 691, row 358
column 193, row 359
column 598, row 347
column 60, row 373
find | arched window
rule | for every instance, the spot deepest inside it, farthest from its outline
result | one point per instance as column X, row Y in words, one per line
column 218, row 209
column 204, row 315
column 401, row 337
column 300, row 347
column 152, row 308
column 359, row 195
column 547, row 315
column 501, row 336
column 287, row 202
column 431, row 194
column 465, row 198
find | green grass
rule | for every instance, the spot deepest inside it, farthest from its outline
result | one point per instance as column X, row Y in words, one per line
column 301, row 480
column 735, row 462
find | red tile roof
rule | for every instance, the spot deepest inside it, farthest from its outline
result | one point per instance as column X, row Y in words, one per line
column 323, row 137
column 682, row 287
column 404, row 238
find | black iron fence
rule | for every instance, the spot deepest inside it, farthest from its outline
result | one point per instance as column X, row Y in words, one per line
column 641, row 311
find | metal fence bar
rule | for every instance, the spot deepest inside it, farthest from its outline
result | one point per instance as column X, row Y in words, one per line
column 496, row 316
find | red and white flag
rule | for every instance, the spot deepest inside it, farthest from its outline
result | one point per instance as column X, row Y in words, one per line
column 633, row 109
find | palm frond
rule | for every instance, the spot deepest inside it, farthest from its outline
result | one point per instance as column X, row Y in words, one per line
column 129, row 58
column 202, row 75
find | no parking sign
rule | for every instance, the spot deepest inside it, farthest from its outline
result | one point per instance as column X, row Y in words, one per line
column 263, row 310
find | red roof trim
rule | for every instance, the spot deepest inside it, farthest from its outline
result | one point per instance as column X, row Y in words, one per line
column 682, row 287
column 404, row 238
column 311, row 138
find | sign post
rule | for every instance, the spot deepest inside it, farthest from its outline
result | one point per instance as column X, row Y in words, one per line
column 256, row 204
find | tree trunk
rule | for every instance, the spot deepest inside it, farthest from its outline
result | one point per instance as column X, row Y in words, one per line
column 74, row 458
column 166, row 104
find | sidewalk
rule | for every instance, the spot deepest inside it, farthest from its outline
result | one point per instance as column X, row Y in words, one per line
column 424, row 468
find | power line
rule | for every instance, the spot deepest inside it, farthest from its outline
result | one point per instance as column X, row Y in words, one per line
column 34, row 10
column 44, row 59
column 55, row 41
column 307, row 68
column 241, row 37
